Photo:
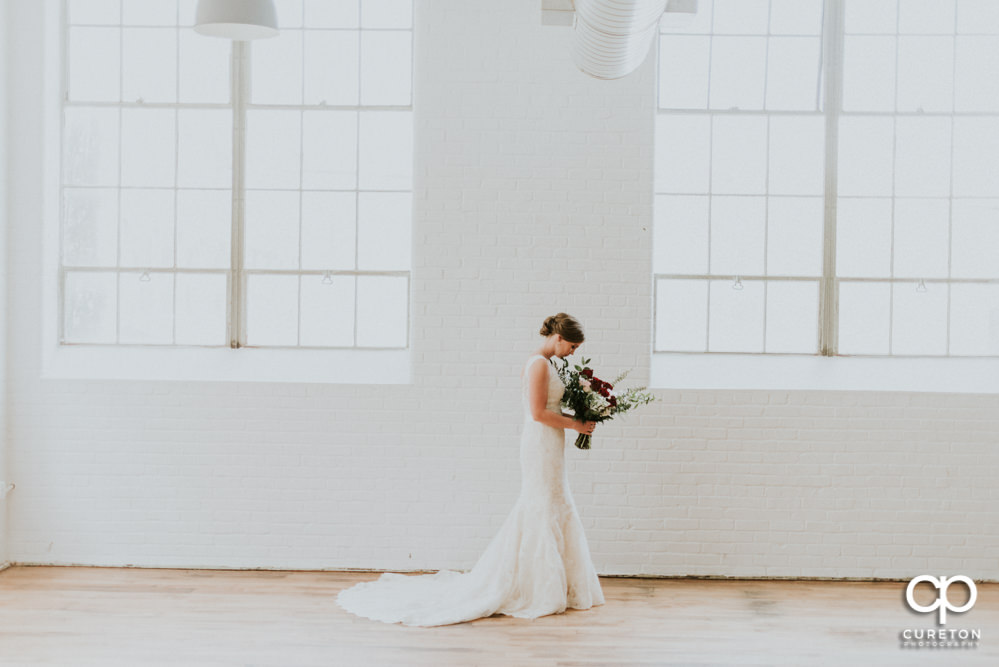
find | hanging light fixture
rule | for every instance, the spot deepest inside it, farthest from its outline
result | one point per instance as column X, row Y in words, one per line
column 236, row 19
column 611, row 38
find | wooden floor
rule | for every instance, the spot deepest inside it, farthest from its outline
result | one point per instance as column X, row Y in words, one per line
column 74, row 616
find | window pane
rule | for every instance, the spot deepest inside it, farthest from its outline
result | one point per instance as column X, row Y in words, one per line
column 146, row 307
column 384, row 237
column 737, row 228
column 273, row 149
column 276, row 66
column 144, row 12
column 977, row 16
column 974, row 319
column 794, row 236
column 863, row 318
column 795, row 17
column 147, row 228
column 975, row 242
column 922, row 157
column 204, row 68
column 272, row 310
column 976, row 157
column 691, row 24
column 863, row 238
column 976, row 69
column 204, row 229
column 865, row 156
column 921, row 238
column 205, row 148
column 736, row 317
column 871, row 16
column 331, row 67
column 149, row 70
column 792, row 316
column 744, row 17
column 739, row 155
column 925, row 73
column 797, row 155
column 919, row 319
column 187, row 11
column 382, row 311
column 683, row 154
column 386, row 159
column 386, row 13
column 201, row 309
column 89, row 310
column 93, row 12
column 94, row 64
column 386, row 66
column 683, row 72
column 330, row 150
column 289, row 13
column 90, row 227
column 328, row 229
column 681, row 315
column 271, row 230
column 90, row 146
column 869, row 74
column 328, row 311
column 738, row 67
column 793, row 73
column 148, row 147
column 680, row 232
column 925, row 16
column 327, row 14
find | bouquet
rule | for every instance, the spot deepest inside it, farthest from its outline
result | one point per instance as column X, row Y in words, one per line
column 592, row 399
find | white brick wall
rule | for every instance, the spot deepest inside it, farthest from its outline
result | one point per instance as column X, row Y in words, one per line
column 532, row 195
column 3, row 280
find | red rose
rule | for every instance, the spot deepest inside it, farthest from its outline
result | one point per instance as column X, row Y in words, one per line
column 586, row 372
column 605, row 392
column 613, row 401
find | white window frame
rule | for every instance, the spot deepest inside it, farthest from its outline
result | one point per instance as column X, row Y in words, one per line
column 239, row 363
column 825, row 370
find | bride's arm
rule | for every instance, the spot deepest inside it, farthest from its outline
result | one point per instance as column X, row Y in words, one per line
column 537, row 396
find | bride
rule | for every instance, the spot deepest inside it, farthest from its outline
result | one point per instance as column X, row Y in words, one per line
column 539, row 562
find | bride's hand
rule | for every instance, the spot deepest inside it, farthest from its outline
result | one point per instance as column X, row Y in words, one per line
column 584, row 427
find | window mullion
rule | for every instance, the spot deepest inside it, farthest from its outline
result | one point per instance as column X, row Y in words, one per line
column 237, row 283
column 832, row 58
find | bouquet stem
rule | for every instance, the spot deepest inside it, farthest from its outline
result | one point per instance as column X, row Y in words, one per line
column 583, row 441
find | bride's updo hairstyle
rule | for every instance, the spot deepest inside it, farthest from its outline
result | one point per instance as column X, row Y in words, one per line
column 564, row 325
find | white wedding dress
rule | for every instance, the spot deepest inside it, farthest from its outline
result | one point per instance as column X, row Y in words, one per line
column 537, row 564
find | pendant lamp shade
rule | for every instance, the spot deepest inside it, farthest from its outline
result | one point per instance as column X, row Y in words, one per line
column 236, row 19
column 611, row 38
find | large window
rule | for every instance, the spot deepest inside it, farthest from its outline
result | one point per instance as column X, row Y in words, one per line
column 219, row 193
column 825, row 179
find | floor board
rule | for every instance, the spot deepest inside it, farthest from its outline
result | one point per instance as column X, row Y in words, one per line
column 129, row 616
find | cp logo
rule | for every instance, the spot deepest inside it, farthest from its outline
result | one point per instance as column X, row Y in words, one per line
column 942, row 603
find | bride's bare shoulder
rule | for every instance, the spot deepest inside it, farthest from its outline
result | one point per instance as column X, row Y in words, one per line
column 527, row 364
column 531, row 367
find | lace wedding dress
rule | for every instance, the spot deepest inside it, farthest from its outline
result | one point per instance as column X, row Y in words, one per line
column 537, row 564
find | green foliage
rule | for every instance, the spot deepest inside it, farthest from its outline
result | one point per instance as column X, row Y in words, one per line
column 590, row 406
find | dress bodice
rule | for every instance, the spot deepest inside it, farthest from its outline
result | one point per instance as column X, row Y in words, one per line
column 555, row 386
